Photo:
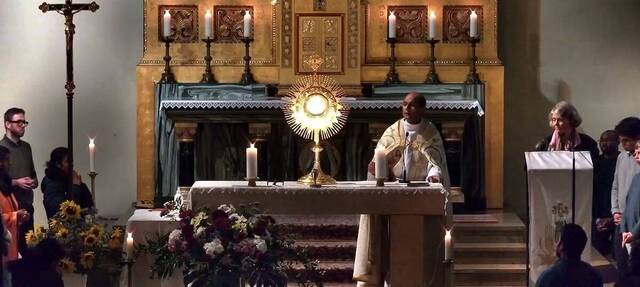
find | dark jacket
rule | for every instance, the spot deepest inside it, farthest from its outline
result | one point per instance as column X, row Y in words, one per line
column 570, row 272
column 55, row 191
column 586, row 144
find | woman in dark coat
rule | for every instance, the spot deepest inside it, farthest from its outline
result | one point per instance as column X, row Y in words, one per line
column 56, row 182
column 565, row 119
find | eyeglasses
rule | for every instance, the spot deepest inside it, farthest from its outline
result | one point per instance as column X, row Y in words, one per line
column 20, row 122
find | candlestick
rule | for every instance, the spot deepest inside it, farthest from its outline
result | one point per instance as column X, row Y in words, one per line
column 448, row 251
column 432, row 76
column 92, row 155
column 208, row 77
column 392, row 24
column 247, row 77
column 473, row 77
column 166, row 24
column 167, row 76
column 381, row 166
column 247, row 24
column 92, row 176
column 252, row 163
column 208, row 25
column 432, row 25
column 473, row 24
column 129, row 245
column 392, row 75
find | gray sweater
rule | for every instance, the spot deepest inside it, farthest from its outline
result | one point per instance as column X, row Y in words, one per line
column 631, row 215
column 626, row 169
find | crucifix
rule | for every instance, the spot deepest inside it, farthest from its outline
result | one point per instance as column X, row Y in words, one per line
column 68, row 9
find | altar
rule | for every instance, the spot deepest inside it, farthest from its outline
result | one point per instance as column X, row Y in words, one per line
column 416, row 219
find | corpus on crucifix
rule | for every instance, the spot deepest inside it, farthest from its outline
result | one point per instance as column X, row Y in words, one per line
column 68, row 10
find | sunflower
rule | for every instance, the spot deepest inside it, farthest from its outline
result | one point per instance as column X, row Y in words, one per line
column 55, row 224
column 40, row 230
column 90, row 239
column 95, row 230
column 62, row 233
column 67, row 265
column 87, row 259
column 32, row 239
column 70, row 209
column 117, row 233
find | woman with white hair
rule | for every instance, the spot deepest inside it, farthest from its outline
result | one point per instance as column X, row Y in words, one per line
column 565, row 119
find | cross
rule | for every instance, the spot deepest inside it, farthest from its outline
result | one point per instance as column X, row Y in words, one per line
column 68, row 9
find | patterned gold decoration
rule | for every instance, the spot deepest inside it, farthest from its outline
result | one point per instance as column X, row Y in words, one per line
column 229, row 23
column 411, row 23
column 184, row 23
column 456, row 23
column 320, row 34
column 352, row 33
column 287, row 32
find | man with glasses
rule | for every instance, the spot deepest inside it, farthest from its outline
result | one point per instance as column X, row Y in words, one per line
column 21, row 170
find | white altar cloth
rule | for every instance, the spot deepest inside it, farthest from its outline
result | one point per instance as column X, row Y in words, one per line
column 550, row 198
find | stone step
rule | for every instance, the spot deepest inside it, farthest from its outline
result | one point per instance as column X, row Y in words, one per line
column 315, row 227
column 507, row 229
column 486, row 253
column 329, row 249
column 490, row 274
column 333, row 271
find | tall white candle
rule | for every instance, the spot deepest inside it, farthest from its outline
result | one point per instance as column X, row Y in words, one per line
column 448, row 250
column 381, row 163
column 208, row 25
column 392, row 25
column 247, row 25
column 252, row 162
column 92, row 155
column 166, row 24
column 129, row 245
column 473, row 24
column 432, row 25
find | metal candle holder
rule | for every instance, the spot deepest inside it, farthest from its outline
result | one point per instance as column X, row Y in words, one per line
column 473, row 77
column 392, row 76
column 247, row 77
column 432, row 76
column 208, row 77
column 129, row 263
column 449, row 280
column 92, row 175
column 380, row 182
column 167, row 76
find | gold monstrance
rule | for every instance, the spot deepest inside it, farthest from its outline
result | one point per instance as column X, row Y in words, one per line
column 314, row 110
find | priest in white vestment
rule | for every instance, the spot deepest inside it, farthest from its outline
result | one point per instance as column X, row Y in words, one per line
column 415, row 150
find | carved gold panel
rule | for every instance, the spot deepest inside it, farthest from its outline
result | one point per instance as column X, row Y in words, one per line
column 184, row 22
column 411, row 23
column 320, row 34
column 229, row 23
column 287, row 32
column 456, row 23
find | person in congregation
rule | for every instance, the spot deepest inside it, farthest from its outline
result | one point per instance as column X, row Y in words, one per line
column 22, row 170
column 628, row 130
column 39, row 267
column 603, row 172
column 570, row 270
column 414, row 147
column 630, row 228
column 13, row 216
column 565, row 119
column 56, row 182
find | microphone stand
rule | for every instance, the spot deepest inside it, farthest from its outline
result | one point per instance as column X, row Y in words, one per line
column 404, row 160
column 573, row 185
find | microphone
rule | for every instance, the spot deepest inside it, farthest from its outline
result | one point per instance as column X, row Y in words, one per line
column 404, row 160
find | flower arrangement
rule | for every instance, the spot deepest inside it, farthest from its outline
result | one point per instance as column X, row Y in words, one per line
column 84, row 242
column 229, row 247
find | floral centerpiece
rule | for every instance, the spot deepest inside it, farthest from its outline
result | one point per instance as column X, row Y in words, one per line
column 229, row 247
column 83, row 240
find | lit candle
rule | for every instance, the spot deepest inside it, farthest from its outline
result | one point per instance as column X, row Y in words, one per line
column 432, row 25
column 381, row 163
column 473, row 24
column 92, row 155
column 166, row 24
column 247, row 24
column 252, row 162
column 448, row 252
column 129, row 245
column 392, row 25
column 208, row 25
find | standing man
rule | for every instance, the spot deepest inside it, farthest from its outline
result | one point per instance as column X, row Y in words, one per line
column 626, row 168
column 22, row 171
column 603, row 171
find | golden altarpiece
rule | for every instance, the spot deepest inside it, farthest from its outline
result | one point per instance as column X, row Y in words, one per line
column 351, row 38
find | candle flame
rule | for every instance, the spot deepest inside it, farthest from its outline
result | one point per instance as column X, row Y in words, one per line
column 473, row 12
column 392, row 13
column 208, row 13
column 252, row 145
column 274, row 2
column 447, row 233
column 129, row 235
column 92, row 141
column 166, row 12
column 248, row 13
column 432, row 14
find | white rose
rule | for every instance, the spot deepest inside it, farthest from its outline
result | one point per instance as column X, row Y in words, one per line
column 227, row 208
column 213, row 248
column 200, row 232
column 261, row 245
column 175, row 235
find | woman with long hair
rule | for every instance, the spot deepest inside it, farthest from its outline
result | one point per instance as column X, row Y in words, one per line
column 12, row 214
column 55, row 185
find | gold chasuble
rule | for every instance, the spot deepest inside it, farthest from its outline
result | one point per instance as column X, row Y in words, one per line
column 425, row 157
